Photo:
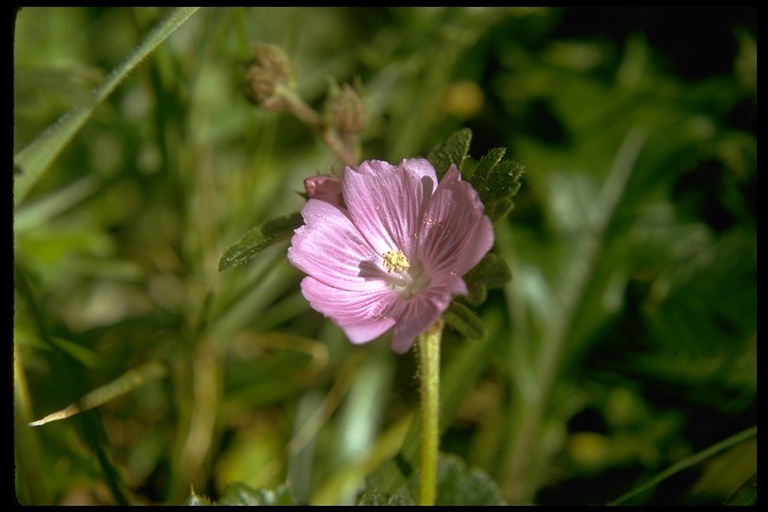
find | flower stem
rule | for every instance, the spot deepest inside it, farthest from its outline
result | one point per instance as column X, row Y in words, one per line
column 429, row 372
column 304, row 113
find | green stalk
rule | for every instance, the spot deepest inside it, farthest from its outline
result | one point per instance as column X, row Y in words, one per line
column 429, row 374
column 30, row 163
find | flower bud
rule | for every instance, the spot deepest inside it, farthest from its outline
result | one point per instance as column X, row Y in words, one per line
column 269, row 67
column 346, row 110
column 325, row 188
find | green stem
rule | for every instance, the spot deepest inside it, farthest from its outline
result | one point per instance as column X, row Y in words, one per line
column 304, row 113
column 429, row 373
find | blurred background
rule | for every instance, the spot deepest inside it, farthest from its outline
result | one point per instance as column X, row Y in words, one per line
column 624, row 344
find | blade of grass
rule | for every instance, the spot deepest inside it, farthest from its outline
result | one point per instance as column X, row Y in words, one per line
column 32, row 161
column 687, row 463
column 521, row 464
column 118, row 387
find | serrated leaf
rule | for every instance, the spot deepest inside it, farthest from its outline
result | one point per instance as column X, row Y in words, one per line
column 465, row 321
column 240, row 494
column 194, row 500
column 452, row 151
column 456, row 485
column 372, row 498
column 259, row 238
column 497, row 181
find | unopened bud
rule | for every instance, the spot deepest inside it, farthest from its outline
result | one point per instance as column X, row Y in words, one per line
column 269, row 67
column 346, row 110
column 325, row 188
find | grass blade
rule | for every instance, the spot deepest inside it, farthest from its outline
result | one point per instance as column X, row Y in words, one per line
column 32, row 161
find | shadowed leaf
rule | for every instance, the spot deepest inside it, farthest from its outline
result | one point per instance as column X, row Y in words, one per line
column 456, row 485
column 241, row 494
column 452, row 151
column 465, row 321
column 259, row 238
column 497, row 182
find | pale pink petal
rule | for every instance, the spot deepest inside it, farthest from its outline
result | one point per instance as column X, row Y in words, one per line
column 386, row 203
column 418, row 315
column 362, row 315
column 455, row 234
column 329, row 248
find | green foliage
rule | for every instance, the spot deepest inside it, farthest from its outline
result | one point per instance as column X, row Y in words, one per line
column 465, row 321
column 32, row 161
column 240, row 494
column 491, row 272
column 457, row 485
column 497, row 181
column 706, row 301
column 453, row 151
column 746, row 495
column 259, row 238
column 195, row 500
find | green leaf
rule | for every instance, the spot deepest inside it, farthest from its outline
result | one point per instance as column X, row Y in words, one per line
column 32, row 161
column 706, row 305
column 452, row 151
column 373, row 498
column 240, row 494
column 746, row 494
column 497, row 181
column 491, row 272
column 103, row 394
column 259, row 238
column 194, row 500
column 465, row 321
column 456, row 485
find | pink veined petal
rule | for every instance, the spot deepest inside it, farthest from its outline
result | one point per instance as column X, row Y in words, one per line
column 330, row 249
column 418, row 315
column 455, row 233
column 362, row 316
column 386, row 202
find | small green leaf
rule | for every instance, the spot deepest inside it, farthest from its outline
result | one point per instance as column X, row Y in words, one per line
column 497, row 181
column 456, row 485
column 465, row 321
column 746, row 494
column 259, row 238
column 126, row 383
column 491, row 272
column 373, row 498
column 197, row 501
column 452, row 151
column 240, row 494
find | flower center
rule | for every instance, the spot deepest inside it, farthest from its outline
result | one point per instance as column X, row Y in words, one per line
column 395, row 261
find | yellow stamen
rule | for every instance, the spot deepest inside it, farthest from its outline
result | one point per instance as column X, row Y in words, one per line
column 395, row 261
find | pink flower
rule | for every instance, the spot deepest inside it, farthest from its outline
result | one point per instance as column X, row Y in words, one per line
column 393, row 251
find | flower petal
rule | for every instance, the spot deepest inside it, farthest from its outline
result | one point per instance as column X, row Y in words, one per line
column 386, row 202
column 361, row 315
column 418, row 315
column 455, row 234
column 330, row 249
